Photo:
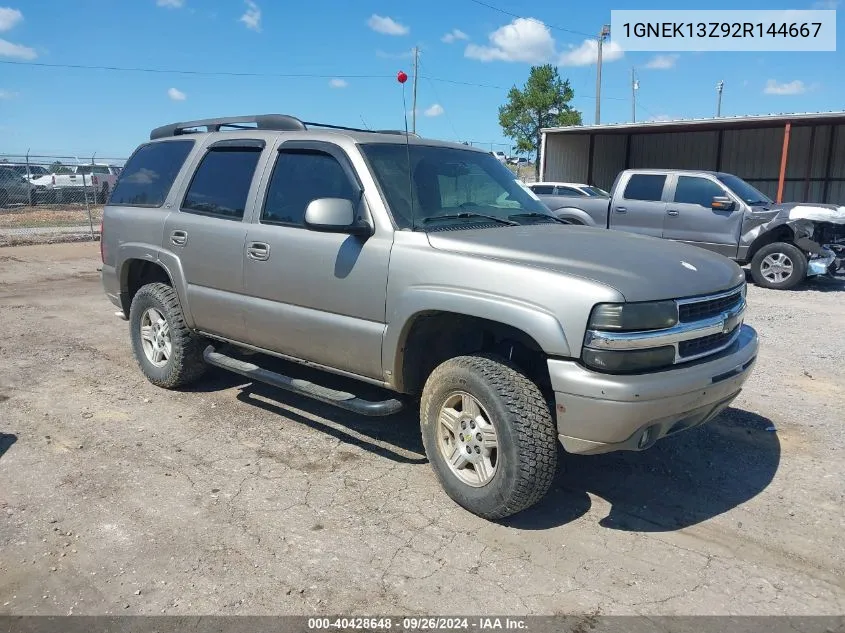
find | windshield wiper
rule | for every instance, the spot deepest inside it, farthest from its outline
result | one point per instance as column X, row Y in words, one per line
column 534, row 214
column 469, row 214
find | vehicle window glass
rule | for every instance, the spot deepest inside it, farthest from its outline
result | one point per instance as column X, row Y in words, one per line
column 692, row 190
column 299, row 177
column 445, row 181
column 221, row 183
column 645, row 187
column 745, row 191
column 567, row 191
column 543, row 189
column 149, row 173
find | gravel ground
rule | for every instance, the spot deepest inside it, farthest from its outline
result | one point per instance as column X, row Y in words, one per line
column 118, row 497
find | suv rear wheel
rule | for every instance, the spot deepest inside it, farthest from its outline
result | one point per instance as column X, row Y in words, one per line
column 489, row 435
column 168, row 352
column 780, row 266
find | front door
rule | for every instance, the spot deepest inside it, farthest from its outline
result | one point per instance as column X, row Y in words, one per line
column 690, row 218
column 640, row 207
column 315, row 296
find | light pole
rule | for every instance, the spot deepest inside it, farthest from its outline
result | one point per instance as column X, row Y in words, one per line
column 635, row 85
column 719, row 87
column 603, row 34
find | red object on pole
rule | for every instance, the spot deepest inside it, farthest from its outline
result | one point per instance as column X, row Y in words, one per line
column 401, row 77
column 783, row 156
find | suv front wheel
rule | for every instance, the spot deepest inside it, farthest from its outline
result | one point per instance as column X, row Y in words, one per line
column 489, row 435
column 168, row 352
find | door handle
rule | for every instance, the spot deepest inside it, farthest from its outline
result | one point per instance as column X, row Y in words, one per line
column 621, row 210
column 672, row 212
column 258, row 251
column 179, row 238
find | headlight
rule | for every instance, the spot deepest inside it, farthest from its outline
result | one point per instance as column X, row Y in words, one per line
column 628, row 361
column 627, row 317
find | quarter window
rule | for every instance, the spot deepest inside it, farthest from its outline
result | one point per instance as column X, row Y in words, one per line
column 222, row 181
column 647, row 187
column 299, row 177
column 149, row 173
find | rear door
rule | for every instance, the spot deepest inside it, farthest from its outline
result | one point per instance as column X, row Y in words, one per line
column 638, row 204
column 208, row 232
column 690, row 218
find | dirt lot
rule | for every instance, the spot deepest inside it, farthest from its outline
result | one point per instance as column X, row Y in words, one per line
column 118, row 497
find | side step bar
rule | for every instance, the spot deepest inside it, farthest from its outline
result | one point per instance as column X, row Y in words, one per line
column 341, row 399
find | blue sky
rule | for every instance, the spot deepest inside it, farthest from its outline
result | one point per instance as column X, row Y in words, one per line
column 354, row 49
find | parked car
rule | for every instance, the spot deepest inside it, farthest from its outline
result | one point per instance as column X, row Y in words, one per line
column 782, row 243
column 519, row 161
column 94, row 181
column 30, row 172
column 427, row 269
column 15, row 189
column 547, row 190
column 500, row 156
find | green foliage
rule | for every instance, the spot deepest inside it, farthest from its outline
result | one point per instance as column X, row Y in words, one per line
column 543, row 102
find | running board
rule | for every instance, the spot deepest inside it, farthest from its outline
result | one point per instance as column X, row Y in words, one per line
column 341, row 399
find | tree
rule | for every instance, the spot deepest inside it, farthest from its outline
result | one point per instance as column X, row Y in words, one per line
column 543, row 102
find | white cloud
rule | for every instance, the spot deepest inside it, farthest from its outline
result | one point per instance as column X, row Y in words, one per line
column 386, row 25
column 9, row 18
column 523, row 40
column 8, row 49
column 7, row 94
column 338, row 83
column 171, row 4
column 176, row 95
column 796, row 87
column 588, row 53
column 453, row 36
column 662, row 62
column 434, row 110
column 252, row 16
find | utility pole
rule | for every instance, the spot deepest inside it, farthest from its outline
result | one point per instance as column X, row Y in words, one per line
column 605, row 31
column 635, row 85
column 719, row 87
column 416, row 75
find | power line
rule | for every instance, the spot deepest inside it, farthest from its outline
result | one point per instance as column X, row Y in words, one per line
column 514, row 15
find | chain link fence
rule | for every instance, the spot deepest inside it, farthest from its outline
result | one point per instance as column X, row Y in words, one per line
column 53, row 198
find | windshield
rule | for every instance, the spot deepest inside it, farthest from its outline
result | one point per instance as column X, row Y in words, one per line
column 745, row 191
column 461, row 184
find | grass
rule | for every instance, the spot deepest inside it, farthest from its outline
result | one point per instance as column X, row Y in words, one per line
column 48, row 215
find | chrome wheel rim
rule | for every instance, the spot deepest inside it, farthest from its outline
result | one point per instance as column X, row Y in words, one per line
column 776, row 267
column 467, row 439
column 155, row 337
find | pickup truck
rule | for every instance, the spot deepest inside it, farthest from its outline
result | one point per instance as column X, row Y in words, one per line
column 782, row 243
column 76, row 182
column 426, row 269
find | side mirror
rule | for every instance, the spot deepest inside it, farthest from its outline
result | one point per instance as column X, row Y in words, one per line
column 334, row 215
column 722, row 203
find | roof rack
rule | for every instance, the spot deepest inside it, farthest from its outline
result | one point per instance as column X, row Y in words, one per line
column 275, row 122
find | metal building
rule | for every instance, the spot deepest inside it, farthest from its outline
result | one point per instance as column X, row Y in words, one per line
column 789, row 157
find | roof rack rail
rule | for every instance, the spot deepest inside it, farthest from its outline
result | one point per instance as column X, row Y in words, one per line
column 279, row 122
column 275, row 122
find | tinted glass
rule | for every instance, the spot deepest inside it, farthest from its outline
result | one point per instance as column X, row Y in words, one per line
column 692, row 190
column 568, row 191
column 299, row 177
column 745, row 191
column 595, row 192
column 543, row 189
column 447, row 181
column 221, row 183
column 149, row 174
column 645, row 187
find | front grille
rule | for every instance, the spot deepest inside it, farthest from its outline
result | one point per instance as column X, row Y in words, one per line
column 705, row 344
column 707, row 308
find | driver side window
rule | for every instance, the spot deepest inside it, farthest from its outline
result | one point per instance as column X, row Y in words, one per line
column 695, row 190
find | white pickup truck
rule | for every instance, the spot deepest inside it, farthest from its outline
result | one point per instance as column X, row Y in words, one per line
column 94, row 181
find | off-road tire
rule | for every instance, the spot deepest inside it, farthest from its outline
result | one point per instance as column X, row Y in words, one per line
column 527, row 439
column 799, row 265
column 185, row 364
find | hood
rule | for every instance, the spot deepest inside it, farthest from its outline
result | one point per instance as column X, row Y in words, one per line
column 640, row 268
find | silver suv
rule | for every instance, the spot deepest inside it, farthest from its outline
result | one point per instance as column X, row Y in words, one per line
column 428, row 269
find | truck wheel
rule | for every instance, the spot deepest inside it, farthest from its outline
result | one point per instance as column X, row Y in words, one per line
column 168, row 352
column 780, row 266
column 489, row 435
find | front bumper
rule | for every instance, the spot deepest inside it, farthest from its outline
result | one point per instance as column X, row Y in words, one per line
column 600, row 413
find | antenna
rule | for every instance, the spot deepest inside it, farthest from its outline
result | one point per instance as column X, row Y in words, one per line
column 402, row 77
column 364, row 122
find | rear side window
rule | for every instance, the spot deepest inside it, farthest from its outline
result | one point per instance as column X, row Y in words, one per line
column 701, row 191
column 645, row 187
column 299, row 177
column 567, row 191
column 221, row 183
column 149, row 174
column 543, row 189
